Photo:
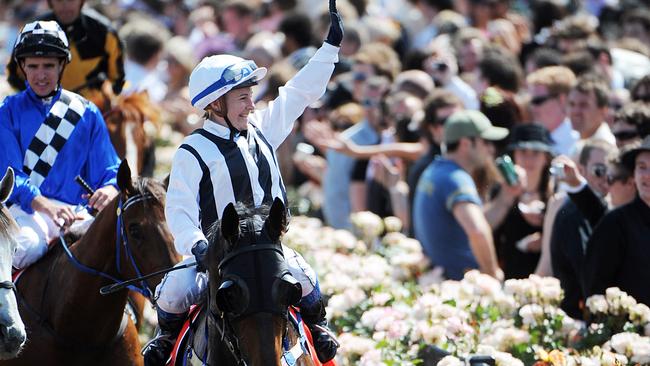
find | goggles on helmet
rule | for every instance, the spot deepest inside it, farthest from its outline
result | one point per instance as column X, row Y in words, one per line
column 232, row 75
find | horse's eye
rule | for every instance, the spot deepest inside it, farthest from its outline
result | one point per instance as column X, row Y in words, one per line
column 135, row 231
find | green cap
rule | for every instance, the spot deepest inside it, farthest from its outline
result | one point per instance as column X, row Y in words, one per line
column 471, row 124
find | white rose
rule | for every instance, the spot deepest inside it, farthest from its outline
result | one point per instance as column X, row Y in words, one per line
column 506, row 359
column 641, row 351
column 393, row 224
column 640, row 313
column 597, row 304
column 622, row 342
column 530, row 313
column 354, row 345
column 371, row 358
column 450, row 361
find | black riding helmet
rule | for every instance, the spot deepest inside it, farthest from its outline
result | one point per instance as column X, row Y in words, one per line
column 42, row 39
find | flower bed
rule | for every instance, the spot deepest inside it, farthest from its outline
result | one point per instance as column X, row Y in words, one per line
column 388, row 311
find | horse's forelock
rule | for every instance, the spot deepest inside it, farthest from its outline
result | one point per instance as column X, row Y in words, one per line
column 244, row 211
column 149, row 186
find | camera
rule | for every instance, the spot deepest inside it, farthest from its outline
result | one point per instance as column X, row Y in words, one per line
column 439, row 66
column 557, row 170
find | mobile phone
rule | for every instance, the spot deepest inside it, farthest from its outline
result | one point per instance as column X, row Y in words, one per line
column 507, row 169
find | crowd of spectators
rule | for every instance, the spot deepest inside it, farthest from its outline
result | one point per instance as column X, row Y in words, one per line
column 427, row 94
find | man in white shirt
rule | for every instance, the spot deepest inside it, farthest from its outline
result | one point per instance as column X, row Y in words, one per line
column 588, row 106
column 549, row 88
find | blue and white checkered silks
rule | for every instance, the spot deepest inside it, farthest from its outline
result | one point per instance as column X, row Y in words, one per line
column 216, row 75
column 43, row 27
column 52, row 135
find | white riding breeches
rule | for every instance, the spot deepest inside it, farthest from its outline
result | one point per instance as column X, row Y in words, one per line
column 180, row 289
column 36, row 231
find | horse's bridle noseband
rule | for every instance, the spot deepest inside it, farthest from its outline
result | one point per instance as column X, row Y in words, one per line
column 9, row 285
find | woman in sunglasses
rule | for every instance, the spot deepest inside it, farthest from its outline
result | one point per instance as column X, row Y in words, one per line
column 232, row 159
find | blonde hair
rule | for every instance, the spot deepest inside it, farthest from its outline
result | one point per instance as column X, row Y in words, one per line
column 557, row 79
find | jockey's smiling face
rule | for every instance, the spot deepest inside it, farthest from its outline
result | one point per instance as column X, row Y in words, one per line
column 42, row 74
column 239, row 104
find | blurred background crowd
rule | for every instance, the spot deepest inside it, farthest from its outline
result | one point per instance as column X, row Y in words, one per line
column 569, row 79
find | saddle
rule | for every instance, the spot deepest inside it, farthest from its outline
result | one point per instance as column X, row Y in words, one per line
column 192, row 342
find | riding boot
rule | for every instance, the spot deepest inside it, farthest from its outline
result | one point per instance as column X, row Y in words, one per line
column 325, row 342
column 157, row 351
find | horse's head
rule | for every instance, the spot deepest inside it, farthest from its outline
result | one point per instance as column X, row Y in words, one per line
column 12, row 329
column 250, row 284
column 126, row 121
column 146, row 242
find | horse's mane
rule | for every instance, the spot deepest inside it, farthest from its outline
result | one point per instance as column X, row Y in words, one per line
column 136, row 107
column 133, row 107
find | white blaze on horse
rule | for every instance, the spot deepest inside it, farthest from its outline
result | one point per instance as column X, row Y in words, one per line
column 12, row 329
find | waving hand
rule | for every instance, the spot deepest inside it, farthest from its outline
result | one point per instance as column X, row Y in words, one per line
column 335, row 34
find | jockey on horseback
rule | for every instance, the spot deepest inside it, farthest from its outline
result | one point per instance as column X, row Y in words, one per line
column 49, row 136
column 232, row 158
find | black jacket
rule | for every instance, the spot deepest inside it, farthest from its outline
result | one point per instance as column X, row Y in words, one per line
column 618, row 253
column 96, row 55
column 570, row 234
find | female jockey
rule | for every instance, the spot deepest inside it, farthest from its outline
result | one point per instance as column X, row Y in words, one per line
column 232, row 158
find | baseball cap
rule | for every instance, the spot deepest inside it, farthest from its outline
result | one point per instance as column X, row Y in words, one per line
column 471, row 124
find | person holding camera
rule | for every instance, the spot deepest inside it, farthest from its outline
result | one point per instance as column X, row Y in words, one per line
column 443, row 68
column 447, row 215
column 570, row 228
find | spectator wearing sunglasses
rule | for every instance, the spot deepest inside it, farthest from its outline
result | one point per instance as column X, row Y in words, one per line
column 618, row 251
column 549, row 88
column 631, row 123
column 571, row 229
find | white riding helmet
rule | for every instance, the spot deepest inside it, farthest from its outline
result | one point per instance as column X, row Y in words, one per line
column 216, row 75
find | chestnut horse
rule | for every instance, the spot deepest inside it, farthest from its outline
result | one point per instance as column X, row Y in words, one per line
column 126, row 118
column 12, row 329
column 250, row 290
column 68, row 321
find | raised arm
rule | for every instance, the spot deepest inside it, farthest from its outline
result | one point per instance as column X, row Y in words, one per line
column 305, row 88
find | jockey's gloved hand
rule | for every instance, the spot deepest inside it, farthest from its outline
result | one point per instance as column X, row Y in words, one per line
column 200, row 251
column 335, row 34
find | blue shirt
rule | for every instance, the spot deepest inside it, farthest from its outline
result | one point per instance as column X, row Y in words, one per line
column 336, row 182
column 442, row 185
column 88, row 151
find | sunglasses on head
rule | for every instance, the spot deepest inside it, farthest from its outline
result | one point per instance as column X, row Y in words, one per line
column 599, row 170
column 541, row 99
column 626, row 135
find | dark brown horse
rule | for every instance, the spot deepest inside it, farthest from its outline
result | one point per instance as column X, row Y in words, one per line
column 68, row 321
column 12, row 329
column 250, row 290
column 126, row 118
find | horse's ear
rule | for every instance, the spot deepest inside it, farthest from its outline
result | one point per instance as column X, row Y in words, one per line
column 230, row 222
column 277, row 220
column 7, row 185
column 124, row 180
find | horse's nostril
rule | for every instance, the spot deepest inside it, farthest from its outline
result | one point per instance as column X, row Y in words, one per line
column 12, row 339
